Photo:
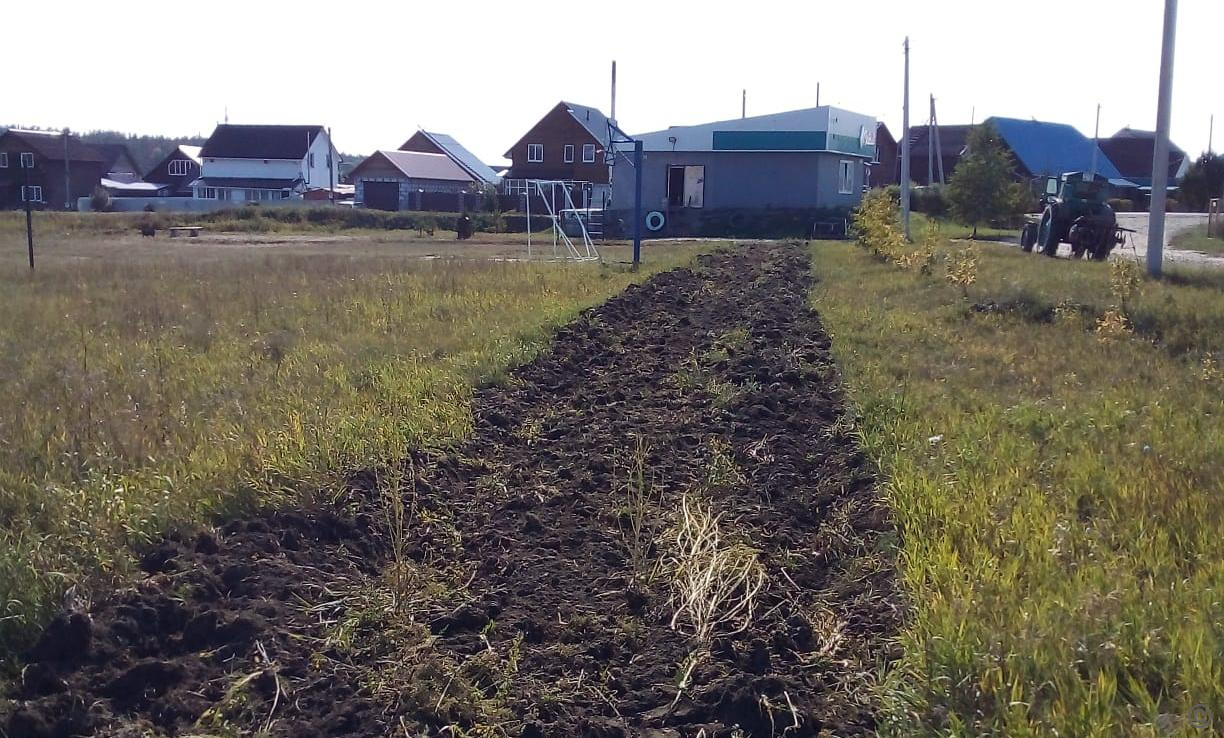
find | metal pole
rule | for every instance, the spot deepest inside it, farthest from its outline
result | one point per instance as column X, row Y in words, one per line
column 938, row 145
column 744, row 104
column 637, row 202
column 1210, row 132
column 1160, row 157
column 613, row 118
column 25, row 195
column 1096, row 147
column 67, row 176
column 818, row 94
column 905, row 150
column 331, row 167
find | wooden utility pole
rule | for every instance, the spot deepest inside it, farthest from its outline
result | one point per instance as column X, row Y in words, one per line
column 27, row 195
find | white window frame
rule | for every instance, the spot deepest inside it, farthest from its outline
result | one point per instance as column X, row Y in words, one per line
column 588, row 153
column 310, row 160
column 179, row 167
column 206, row 193
column 535, row 153
column 27, row 160
column 569, row 153
column 845, row 177
column 3, row 160
column 34, row 191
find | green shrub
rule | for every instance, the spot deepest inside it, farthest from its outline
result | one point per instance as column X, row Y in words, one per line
column 930, row 200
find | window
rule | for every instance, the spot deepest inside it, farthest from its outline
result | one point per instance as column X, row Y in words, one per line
column 845, row 180
column 569, row 153
column 535, row 153
column 27, row 161
column 32, row 193
column 3, row 160
column 588, row 153
column 514, row 187
column 180, row 167
column 206, row 193
column 310, row 160
column 686, row 187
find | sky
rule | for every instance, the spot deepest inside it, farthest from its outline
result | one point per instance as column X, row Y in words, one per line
column 484, row 72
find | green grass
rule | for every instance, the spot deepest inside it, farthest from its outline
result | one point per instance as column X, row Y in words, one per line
column 1059, row 494
column 1196, row 239
column 951, row 229
column 150, row 384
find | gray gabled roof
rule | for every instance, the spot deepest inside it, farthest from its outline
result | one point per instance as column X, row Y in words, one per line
column 591, row 119
column 701, row 137
column 418, row 165
column 463, row 157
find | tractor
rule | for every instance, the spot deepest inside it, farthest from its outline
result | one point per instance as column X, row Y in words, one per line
column 1074, row 211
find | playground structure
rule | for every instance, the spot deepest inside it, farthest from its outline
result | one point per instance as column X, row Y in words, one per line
column 559, row 210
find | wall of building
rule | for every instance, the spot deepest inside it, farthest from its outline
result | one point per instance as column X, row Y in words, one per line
column 736, row 179
column 257, row 168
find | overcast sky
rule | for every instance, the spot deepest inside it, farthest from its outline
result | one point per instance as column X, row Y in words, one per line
column 484, row 72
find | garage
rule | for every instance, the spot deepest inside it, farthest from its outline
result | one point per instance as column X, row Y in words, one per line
column 382, row 195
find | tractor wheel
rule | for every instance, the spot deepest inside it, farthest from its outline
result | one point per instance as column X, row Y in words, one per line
column 1028, row 237
column 1047, row 232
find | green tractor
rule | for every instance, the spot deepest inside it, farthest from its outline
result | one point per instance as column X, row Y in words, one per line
column 1074, row 211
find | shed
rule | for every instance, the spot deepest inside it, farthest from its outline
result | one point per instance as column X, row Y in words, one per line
column 412, row 180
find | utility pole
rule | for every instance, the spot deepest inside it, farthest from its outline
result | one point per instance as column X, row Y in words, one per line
column 613, row 116
column 67, row 176
column 931, row 145
column 818, row 94
column 26, row 197
column 744, row 105
column 1160, row 157
column 938, row 143
column 905, row 150
column 1210, row 133
column 331, row 167
column 1096, row 147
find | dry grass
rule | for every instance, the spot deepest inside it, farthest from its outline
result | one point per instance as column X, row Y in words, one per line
column 153, row 383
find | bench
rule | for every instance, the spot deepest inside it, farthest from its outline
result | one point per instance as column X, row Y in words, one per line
column 189, row 231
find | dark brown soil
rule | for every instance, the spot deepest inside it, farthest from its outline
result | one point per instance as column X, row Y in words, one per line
column 512, row 605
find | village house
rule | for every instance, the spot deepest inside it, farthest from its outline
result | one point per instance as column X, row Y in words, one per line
column 54, row 170
column 566, row 145
column 413, row 180
column 177, row 171
column 440, row 143
column 258, row 163
column 809, row 160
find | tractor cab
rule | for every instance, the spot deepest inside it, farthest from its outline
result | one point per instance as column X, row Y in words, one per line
column 1077, row 186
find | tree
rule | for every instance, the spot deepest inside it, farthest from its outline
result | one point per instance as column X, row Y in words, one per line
column 981, row 188
column 1204, row 181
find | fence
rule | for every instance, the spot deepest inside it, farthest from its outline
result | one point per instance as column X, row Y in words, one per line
column 189, row 204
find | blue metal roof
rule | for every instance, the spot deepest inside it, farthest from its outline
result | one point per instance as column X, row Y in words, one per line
column 1052, row 148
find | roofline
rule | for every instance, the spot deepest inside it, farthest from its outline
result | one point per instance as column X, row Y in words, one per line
column 585, row 130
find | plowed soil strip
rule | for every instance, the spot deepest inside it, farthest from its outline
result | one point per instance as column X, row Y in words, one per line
column 533, row 588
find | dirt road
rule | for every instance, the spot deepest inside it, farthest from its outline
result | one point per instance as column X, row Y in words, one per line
column 534, row 586
column 1175, row 223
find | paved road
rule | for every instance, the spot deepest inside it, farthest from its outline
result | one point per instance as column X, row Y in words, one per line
column 1175, row 223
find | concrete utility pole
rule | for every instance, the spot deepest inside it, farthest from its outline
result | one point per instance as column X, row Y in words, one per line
column 1160, row 157
column 905, row 150
column 931, row 145
column 744, row 105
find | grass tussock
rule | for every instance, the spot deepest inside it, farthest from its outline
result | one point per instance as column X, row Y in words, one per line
column 149, row 392
column 1056, row 472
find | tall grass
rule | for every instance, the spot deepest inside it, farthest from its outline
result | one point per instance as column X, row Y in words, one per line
column 143, row 393
column 1058, row 487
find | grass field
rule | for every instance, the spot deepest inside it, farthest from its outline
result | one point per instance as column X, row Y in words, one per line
column 1196, row 239
column 150, row 383
column 1058, row 487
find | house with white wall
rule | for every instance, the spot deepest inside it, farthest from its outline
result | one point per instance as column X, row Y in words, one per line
column 256, row 163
